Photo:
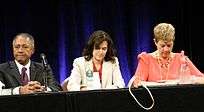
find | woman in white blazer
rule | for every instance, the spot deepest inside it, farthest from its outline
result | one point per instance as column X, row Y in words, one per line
column 98, row 68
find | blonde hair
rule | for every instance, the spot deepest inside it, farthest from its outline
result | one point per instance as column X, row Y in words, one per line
column 165, row 32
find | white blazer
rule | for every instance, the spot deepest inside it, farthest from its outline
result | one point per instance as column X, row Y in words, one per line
column 111, row 75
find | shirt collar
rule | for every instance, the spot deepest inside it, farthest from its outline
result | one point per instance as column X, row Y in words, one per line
column 20, row 66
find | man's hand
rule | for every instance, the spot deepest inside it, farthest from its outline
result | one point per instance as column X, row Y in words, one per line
column 31, row 87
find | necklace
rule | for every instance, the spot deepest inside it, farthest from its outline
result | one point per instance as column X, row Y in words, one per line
column 163, row 65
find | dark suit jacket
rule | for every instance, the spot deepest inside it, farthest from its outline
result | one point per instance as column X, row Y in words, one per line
column 10, row 76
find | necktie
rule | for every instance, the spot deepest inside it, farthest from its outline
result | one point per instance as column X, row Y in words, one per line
column 24, row 76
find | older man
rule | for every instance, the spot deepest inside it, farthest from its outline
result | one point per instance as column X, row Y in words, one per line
column 23, row 76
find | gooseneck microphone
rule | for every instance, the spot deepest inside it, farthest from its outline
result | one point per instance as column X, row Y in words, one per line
column 45, row 71
column 44, row 60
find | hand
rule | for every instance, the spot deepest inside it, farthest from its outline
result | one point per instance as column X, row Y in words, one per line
column 83, row 88
column 136, row 82
column 31, row 87
column 197, row 80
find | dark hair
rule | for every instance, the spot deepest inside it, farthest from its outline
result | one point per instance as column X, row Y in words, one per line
column 95, row 40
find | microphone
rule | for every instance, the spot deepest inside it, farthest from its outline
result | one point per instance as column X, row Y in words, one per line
column 44, row 60
column 45, row 64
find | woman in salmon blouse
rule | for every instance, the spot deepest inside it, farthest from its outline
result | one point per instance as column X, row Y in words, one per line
column 163, row 65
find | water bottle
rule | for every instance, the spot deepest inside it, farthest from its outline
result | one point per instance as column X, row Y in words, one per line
column 185, row 77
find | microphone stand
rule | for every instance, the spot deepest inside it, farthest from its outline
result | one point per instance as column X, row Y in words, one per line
column 45, row 72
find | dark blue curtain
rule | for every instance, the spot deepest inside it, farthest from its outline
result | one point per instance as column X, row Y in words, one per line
column 61, row 28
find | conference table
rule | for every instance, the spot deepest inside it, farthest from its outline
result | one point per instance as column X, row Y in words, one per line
column 179, row 98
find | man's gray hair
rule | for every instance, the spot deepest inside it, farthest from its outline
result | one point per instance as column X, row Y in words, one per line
column 25, row 35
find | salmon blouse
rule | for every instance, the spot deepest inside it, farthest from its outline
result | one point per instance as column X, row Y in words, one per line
column 150, row 69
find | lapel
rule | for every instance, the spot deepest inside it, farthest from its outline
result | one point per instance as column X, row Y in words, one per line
column 106, row 73
column 14, row 71
column 85, row 66
column 89, row 65
column 33, row 71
